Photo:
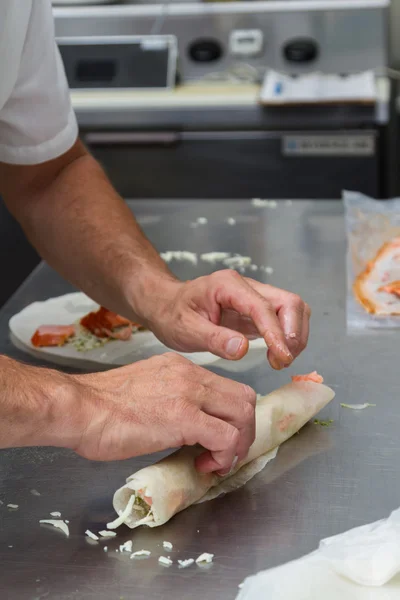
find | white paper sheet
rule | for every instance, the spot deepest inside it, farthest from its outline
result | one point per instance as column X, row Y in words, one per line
column 360, row 564
column 69, row 308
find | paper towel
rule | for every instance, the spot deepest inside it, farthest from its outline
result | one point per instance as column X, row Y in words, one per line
column 360, row 564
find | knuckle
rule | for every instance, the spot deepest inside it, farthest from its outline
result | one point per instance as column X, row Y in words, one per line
column 251, row 396
column 232, row 436
column 248, row 412
column 296, row 301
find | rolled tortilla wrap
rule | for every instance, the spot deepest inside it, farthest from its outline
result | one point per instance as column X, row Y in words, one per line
column 155, row 494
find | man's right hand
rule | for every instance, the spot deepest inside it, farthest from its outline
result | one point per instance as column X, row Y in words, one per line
column 160, row 403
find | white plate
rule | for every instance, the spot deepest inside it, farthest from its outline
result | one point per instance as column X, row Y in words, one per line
column 69, row 308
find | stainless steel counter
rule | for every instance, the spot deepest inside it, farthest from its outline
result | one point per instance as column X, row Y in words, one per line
column 323, row 481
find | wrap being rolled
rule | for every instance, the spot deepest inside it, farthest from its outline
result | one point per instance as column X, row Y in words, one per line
column 155, row 494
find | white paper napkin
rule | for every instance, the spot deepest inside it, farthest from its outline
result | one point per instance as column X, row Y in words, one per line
column 360, row 564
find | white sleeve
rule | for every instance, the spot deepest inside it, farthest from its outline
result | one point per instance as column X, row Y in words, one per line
column 37, row 122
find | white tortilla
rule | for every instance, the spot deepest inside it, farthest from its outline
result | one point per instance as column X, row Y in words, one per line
column 174, row 483
column 69, row 308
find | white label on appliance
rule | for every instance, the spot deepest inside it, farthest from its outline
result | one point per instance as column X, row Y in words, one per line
column 246, row 42
column 328, row 145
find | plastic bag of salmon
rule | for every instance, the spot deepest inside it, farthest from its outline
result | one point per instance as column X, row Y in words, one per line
column 373, row 262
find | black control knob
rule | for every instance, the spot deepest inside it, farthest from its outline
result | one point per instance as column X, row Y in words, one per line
column 205, row 50
column 301, row 50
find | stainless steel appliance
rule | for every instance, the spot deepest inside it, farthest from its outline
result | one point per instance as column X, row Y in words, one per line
column 238, row 150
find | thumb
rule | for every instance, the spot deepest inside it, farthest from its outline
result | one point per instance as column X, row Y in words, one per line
column 221, row 341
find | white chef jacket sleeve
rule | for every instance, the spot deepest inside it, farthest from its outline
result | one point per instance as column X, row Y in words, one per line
column 37, row 122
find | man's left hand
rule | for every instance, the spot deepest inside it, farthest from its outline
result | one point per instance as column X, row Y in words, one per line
column 219, row 313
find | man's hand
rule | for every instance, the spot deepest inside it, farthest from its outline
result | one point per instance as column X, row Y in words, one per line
column 222, row 311
column 160, row 403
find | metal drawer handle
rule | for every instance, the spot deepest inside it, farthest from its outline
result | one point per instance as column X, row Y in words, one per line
column 131, row 138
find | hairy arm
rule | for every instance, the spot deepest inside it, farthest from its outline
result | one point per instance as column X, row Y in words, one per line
column 37, row 406
column 81, row 227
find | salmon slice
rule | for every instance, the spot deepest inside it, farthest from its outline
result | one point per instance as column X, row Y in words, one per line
column 391, row 288
column 309, row 377
column 103, row 322
column 52, row 335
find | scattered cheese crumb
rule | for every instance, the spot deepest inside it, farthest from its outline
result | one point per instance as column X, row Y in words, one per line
column 105, row 549
column 57, row 523
column 268, row 270
column 127, row 547
column 107, row 534
column 205, row 558
column 185, row 563
column 213, row 257
column 13, row 506
column 179, row 255
column 202, row 221
column 66, row 520
column 56, row 514
column 165, row 561
column 237, row 261
column 254, row 267
column 35, row 493
column 231, row 221
column 167, row 545
column 91, row 535
column 357, row 406
column 261, row 203
column 10, row 546
column 140, row 553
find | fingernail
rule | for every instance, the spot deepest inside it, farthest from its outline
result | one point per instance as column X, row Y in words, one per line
column 229, row 471
column 233, row 346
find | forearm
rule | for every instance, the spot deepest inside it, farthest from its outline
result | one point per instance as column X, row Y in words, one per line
column 38, row 407
column 83, row 229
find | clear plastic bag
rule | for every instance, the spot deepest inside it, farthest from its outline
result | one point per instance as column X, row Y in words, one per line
column 369, row 224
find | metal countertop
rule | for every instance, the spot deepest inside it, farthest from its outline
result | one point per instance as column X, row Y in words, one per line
column 323, row 481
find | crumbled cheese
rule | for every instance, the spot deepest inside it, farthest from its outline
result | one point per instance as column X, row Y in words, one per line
column 268, row 270
column 254, row 267
column 127, row 547
column 261, row 203
column 202, row 221
column 186, row 563
column 242, row 269
column 35, row 493
column 13, row 506
column 66, row 520
column 140, row 553
column 357, row 406
column 231, row 221
column 179, row 255
column 57, row 523
column 107, row 534
column 205, row 558
column 124, row 515
column 237, row 261
column 105, row 549
column 165, row 561
column 91, row 535
column 10, row 546
column 167, row 545
column 56, row 514
column 213, row 257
